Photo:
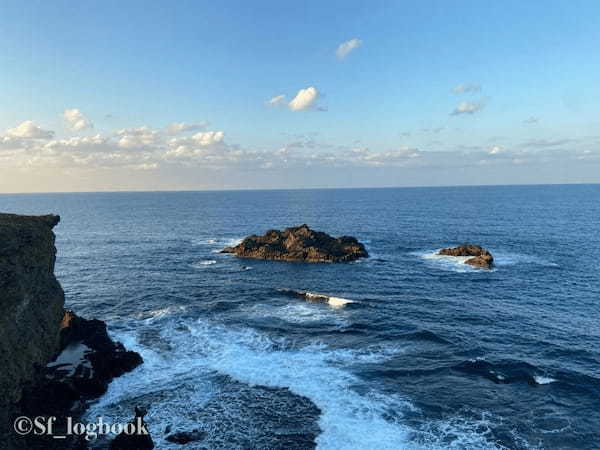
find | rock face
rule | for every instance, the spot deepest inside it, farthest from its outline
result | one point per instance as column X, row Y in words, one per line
column 480, row 256
column 299, row 244
column 52, row 361
column 31, row 300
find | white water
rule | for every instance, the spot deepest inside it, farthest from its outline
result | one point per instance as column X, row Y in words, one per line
column 349, row 420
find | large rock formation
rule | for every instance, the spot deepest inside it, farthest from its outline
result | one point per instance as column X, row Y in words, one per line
column 31, row 300
column 52, row 361
column 480, row 256
column 299, row 244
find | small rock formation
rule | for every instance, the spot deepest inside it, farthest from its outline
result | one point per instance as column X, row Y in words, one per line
column 184, row 437
column 480, row 256
column 135, row 436
column 88, row 362
column 299, row 244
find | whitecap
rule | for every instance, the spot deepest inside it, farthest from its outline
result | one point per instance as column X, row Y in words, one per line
column 204, row 263
column 161, row 312
column 540, row 379
column 335, row 302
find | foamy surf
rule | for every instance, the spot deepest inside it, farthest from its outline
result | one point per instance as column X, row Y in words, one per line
column 540, row 379
column 349, row 419
column 446, row 262
column 335, row 302
column 204, row 263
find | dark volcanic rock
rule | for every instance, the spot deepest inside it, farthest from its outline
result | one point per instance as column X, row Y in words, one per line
column 35, row 330
column 480, row 256
column 135, row 436
column 32, row 302
column 30, row 297
column 88, row 361
column 184, row 437
column 299, row 244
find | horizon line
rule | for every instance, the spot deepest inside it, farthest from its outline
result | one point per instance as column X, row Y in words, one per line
column 125, row 191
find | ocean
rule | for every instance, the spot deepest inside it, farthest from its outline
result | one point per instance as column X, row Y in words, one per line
column 431, row 354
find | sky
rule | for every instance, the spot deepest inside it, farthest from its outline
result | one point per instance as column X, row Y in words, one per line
column 138, row 95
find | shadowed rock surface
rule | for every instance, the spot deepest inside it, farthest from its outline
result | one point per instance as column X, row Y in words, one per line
column 137, row 437
column 52, row 361
column 32, row 304
column 299, row 244
column 480, row 256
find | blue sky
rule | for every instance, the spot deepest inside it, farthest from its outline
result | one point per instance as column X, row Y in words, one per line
column 533, row 69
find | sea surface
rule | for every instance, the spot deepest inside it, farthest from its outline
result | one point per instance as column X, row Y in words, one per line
column 432, row 354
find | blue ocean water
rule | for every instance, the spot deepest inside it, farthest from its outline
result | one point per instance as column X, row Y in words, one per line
column 432, row 354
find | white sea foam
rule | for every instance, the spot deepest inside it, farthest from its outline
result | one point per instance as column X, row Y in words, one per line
column 218, row 243
column 348, row 420
column 161, row 312
column 507, row 259
column 457, row 263
column 446, row 262
column 209, row 241
column 298, row 312
column 540, row 379
column 336, row 302
column 202, row 264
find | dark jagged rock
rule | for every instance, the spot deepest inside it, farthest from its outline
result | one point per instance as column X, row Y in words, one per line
column 88, row 361
column 480, row 256
column 299, row 244
column 184, row 437
column 135, row 436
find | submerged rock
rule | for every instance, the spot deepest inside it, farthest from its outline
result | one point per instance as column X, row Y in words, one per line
column 299, row 244
column 184, row 437
column 336, row 302
column 480, row 256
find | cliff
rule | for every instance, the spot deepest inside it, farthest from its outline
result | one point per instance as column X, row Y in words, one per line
column 31, row 300
column 35, row 332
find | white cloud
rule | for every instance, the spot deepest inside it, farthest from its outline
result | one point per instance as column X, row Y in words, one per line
column 345, row 48
column 29, row 130
column 468, row 108
column 208, row 137
column 141, row 137
column 465, row 88
column 183, row 127
column 531, row 120
column 75, row 119
column 278, row 100
column 304, row 99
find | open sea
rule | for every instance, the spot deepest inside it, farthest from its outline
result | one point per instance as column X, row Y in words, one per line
column 431, row 354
